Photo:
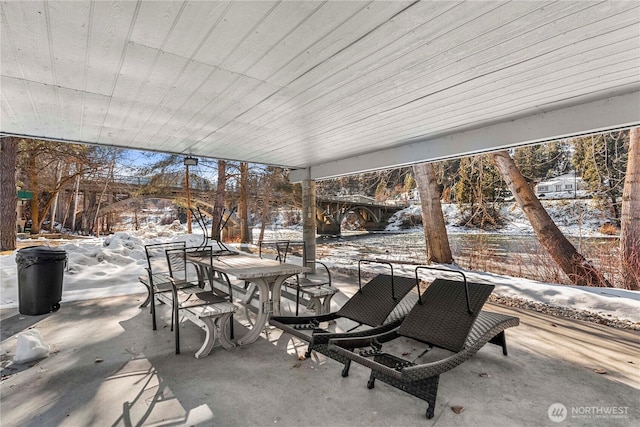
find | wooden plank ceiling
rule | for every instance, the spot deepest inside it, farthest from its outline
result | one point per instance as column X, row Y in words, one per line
column 326, row 87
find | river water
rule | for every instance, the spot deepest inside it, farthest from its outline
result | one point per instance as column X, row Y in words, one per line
column 515, row 255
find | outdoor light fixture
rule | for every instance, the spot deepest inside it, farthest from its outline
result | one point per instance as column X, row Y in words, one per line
column 190, row 161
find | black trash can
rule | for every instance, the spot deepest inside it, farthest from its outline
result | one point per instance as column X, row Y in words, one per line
column 40, row 274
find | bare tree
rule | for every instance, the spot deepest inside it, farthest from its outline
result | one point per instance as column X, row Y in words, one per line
column 273, row 190
column 630, row 217
column 435, row 231
column 107, row 180
column 37, row 159
column 218, row 207
column 8, row 196
column 243, row 210
column 580, row 271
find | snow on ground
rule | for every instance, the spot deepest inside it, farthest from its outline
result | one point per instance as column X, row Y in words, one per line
column 110, row 266
column 573, row 217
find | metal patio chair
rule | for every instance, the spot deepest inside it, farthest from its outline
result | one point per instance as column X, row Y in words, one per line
column 316, row 284
column 157, row 278
column 194, row 295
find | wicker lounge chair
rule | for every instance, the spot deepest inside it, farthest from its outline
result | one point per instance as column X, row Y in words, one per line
column 379, row 304
column 448, row 316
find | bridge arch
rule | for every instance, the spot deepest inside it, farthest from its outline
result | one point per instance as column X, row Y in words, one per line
column 330, row 215
column 365, row 213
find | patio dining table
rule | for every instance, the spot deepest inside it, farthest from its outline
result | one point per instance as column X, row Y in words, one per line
column 264, row 275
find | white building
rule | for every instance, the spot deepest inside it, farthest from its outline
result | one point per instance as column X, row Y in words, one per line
column 561, row 186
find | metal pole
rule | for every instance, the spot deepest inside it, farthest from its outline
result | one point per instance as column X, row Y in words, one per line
column 188, row 202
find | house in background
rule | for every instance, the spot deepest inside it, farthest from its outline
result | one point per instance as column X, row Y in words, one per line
column 560, row 187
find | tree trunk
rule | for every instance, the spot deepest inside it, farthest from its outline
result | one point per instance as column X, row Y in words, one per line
column 104, row 191
column 435, row 231
column 630, row 216
column 243, row 210
column 575, row 266
column 218, row 208
column 76, row 195
column 32, row 172
column 67, row 208
column 263, row 221
column 8, row 195
column 54, row 209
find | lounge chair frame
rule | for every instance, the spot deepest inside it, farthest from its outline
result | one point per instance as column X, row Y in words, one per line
column 421, row 380
column 375, row 304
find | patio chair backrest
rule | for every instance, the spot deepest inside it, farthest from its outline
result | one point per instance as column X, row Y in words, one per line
column 177, row 259
column 443, row 319
column 373, row 303
column 156, row 258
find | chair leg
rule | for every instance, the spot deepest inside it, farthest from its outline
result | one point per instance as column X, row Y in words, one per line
column 225, row 277
column 153, row 310
column 172, row 316
column 500, row 340
column 177, row 339
column 432, row 395
column 345, row 369
column 297, row 294
column 177, row 331
column 430, row 411
column 308, row 353
column 372, row 381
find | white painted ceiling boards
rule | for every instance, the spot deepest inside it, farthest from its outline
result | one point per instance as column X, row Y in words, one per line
column 330, row 87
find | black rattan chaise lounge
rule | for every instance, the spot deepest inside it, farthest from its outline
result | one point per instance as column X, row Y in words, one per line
column 377, row 304
column 448, row 316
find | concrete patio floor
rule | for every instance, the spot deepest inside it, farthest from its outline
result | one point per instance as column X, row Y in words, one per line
column 108, row 368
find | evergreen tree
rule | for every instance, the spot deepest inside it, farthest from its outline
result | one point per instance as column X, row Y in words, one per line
column 409, row 183
column 478, row 187
column 447, row 172
column 542, row 161
column 602, row 161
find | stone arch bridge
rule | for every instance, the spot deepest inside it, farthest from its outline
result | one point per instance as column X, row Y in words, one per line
column 125, row 192
column 331, row 211
column 121, row 192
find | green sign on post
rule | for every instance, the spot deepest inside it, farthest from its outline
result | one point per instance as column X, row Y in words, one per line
column 25, row 195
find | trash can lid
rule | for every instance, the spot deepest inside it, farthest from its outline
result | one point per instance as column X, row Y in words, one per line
column 42, row 252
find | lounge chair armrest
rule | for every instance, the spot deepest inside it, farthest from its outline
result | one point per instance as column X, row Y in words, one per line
column 352, row 342
column 324, row 337
column 303, row 320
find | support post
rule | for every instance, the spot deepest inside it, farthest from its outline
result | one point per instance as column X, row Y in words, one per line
column 188, row 200
column 309, row 220
column 189, row 161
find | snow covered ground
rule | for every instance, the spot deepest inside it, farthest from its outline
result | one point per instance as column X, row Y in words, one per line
column 110, row 266
column 573, row 217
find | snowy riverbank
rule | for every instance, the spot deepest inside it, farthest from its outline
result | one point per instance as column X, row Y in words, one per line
column 109, row 266
column 573, row 217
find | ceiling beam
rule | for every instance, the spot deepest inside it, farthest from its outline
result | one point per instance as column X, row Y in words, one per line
column 615, row 112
